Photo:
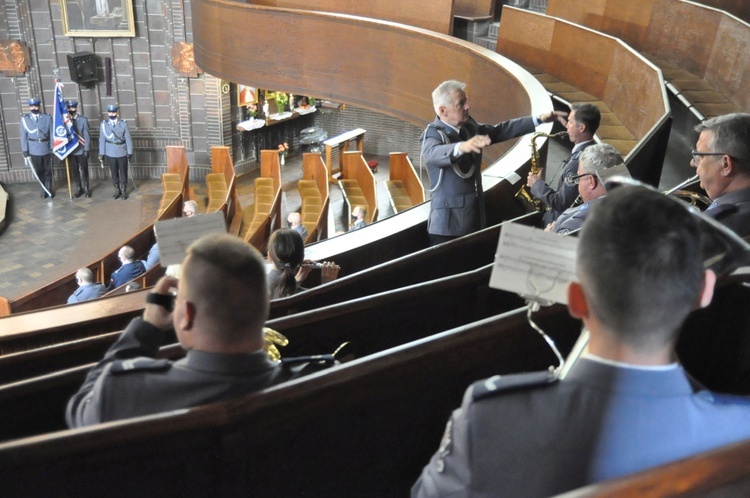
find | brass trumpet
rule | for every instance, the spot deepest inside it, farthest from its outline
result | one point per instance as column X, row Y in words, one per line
column 693, row 198
column 523, row 193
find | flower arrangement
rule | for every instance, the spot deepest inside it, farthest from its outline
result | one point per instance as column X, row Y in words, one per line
column 252, row 110
column 281, row 100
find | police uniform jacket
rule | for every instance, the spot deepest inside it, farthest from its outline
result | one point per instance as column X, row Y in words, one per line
column 457, row 206
column 36, row 134
column 129, row 382
column 81, row 124
column 87, row 292
column 602, row 421
column 572, row 218
column 126, row 273
column 153, row 257
column 733, row 210
column 561, row 199
column 114, row 139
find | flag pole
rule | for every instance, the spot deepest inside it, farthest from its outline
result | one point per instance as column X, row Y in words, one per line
column 67, row 172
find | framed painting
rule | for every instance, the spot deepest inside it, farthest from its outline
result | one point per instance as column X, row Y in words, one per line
column 246, row 95
column 98, row 18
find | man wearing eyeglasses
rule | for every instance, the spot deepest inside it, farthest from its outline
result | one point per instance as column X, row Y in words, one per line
column 581, row 126
column 722, row 161
column 592, row 160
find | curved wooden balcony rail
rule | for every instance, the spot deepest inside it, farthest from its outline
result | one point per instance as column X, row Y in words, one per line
column 435, row 15
column 597, row 68
column 382, row 66
column 703, row 52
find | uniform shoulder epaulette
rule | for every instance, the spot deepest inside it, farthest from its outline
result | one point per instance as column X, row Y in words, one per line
column 506, row 383
column 139, row 365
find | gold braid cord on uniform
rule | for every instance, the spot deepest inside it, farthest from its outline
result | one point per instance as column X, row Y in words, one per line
column 271, row 339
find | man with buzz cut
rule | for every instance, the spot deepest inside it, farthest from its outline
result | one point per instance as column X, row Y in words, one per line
column 116, row 146
column 626, row 405
column 218, row 313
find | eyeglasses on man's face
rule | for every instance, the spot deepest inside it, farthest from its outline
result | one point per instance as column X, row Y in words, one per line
column 697, row 155
column 575, row 180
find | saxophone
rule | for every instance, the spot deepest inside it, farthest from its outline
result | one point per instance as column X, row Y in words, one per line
column 532, row 203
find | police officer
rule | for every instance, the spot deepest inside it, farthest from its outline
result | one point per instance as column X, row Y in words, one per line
column 36, row 133
column 80, row 156
column 116, row 145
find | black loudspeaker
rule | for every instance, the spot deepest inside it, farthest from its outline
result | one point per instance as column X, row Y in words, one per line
column 82, row 67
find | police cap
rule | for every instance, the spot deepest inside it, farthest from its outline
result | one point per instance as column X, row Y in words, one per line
column 113, row 108
column 34, row 101
column 72, row 104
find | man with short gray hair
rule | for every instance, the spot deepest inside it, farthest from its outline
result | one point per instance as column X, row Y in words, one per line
column 590, row 186
column 722, row 162
column 452, row 150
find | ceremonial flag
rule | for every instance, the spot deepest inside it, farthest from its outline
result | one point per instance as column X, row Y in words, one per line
column 65, row 139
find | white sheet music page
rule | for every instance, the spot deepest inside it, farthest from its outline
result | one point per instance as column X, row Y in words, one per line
column 177, row 234
column 534, row 263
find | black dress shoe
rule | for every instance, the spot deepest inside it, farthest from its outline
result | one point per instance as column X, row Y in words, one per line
column 78, row 193
column 44, row 195
column 117, row 194
column 124, row 195
column 88, row 194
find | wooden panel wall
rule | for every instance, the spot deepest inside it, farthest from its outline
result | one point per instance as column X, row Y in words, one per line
column 368, row 63
column 435, row 15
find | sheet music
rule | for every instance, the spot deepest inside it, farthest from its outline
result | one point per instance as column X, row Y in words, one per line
column 534, row 263
column 177, row 234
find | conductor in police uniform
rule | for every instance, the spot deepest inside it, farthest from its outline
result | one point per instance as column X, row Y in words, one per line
column 36, row 143
column 80, row 156
column 116, row 145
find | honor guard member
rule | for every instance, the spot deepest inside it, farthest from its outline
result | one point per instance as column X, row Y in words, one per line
column 36, row 131
column 116, row 145
column 80, row 156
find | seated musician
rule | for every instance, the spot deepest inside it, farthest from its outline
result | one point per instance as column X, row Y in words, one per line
column 722, row 161
column 626, row 405
column 590, row 186
column 218, row 315
column 286, row 252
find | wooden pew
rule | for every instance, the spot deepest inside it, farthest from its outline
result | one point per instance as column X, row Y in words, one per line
column 433, row 15
column 356, row 418
column 54, row 325
column 370, row 325
column 705, row 70
column 721, row 472
column 222, row 188
column 175, row 182
column 739, row 8
column 413, row 267
column 579, row 65
column 358, row 185
column 267, row 208
column 314, row 190
column 340, row 144
column 403, row 187
column 58, row 291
